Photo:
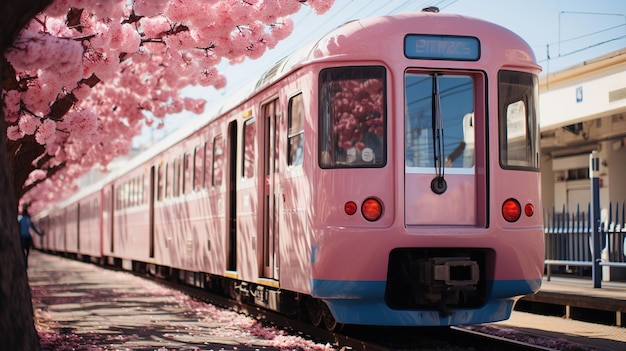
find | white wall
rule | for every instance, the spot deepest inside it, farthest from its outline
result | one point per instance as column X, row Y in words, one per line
column 559, row 106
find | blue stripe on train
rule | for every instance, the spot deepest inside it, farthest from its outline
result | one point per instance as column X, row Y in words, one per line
column 362, row 302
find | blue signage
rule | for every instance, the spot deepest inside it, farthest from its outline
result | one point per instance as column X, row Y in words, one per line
column 441, row 47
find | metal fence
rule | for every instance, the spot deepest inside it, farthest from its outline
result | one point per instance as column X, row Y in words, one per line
column 569, row 241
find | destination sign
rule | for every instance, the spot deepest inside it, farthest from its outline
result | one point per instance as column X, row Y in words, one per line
column 441, row 47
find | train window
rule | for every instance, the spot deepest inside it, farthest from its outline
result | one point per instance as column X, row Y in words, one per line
column 187, row 177
column 218, row 160
column 138, row 185
column 208, row 152
column 176, row 177
column 160, row 183
column 352, row 117
column 449, row 135
column 139, row 190
column 249, row 149
column 295, row 133
column 125, row 195
column 172, row 179
column 198, row 168
column 130, row 197
column 117, row 198
column 142, row 189
column 135, row 191
column 518, row 122
column 130, row 193
column 166, row 182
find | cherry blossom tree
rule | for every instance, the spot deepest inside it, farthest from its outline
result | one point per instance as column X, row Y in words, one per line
column 17, row 330
column 79, row 79
column 85, row 75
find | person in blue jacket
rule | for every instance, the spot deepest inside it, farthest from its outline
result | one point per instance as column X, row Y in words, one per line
column 26, row 224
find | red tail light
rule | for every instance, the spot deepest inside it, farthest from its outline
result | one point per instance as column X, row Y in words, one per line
column 529, row 210
column 372, row 209
column 511, row 210
column 350, row 207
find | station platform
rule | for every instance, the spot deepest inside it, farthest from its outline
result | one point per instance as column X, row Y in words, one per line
column 81, row 306
column 576, row 298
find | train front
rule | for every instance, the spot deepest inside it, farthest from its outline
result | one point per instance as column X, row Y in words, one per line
column 428, row 210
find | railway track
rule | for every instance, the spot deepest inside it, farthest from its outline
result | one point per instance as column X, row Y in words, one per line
column 365, row 338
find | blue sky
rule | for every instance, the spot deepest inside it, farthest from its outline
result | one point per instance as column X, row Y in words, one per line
column 584, row 29
column 570, row 31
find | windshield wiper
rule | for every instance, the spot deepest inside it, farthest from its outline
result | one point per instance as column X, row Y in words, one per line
column 438, row 184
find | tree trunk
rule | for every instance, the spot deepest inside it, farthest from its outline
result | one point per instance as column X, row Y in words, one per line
column 17, row 329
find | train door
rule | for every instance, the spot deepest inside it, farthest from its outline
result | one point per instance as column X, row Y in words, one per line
column 269, row 254
column 65, row 229
column 107, row 220
column 231, row 264
column 152, row 184
column 444, row 161
column 78, row 231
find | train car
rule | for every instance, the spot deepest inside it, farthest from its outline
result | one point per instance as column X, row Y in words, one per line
column 386, row 174
column 441, row 228
column 89, row 226
column 126, row 235
column 74, row 226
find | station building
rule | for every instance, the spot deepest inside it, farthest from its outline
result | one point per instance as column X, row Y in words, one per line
column 582, row 109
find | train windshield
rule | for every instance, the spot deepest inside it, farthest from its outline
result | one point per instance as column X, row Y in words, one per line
column 517, row 120
column 352, row 117
column 439, row 123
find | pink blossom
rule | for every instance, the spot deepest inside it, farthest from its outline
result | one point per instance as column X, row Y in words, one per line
column 176, row 106
column 36, row 175
column 11, row 101
column 126, row 38
column 82, row 124
column 320, row 6
column 14, row 133
column 57, row 8
column 53, row 150
column 282, row 30
column 103, row 65
column 82, row 91
column 34, row 100
column 29, row 124
column 179, row 10
column 11, row 117
column 150, row 8
column 154, row 26
column 46, row 133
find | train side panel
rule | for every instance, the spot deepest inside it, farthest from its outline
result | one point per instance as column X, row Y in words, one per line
column 130, row 226
column 90, row 226
column 55, row 236
column 214, row 203
column 72, row 239
column 297, row 138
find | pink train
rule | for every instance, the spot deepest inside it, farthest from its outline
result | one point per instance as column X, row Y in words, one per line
column 387, row 174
